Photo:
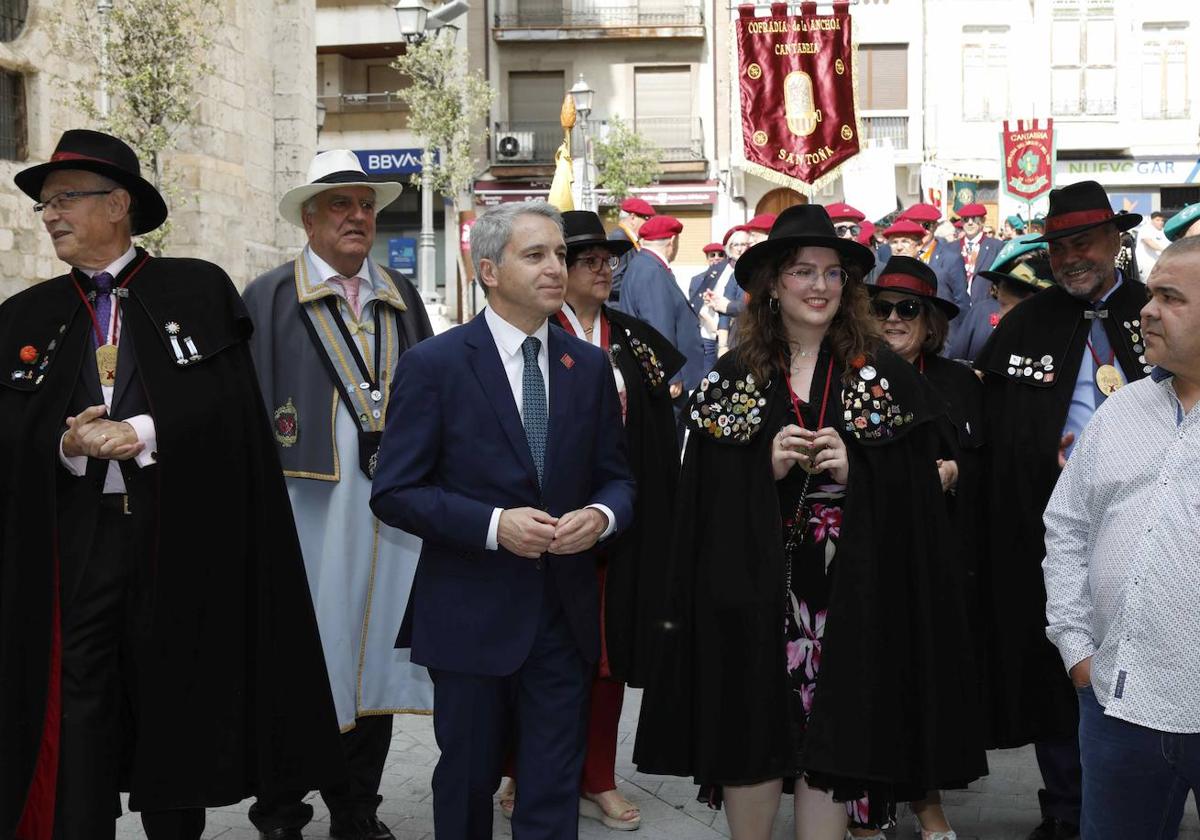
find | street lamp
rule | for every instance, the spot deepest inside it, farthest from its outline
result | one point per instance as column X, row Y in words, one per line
column 417, row 22
column 582, row 95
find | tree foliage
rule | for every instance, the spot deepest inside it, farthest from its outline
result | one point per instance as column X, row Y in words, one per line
column 446, row 104
column 624, row 160
column 156, row 55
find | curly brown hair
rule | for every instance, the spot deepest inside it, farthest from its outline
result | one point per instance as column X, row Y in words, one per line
column 762, row 339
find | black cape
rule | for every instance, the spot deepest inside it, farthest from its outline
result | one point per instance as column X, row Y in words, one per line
column 894, row 701
column 232, row 697
column 635, row 583
column 1031, row 696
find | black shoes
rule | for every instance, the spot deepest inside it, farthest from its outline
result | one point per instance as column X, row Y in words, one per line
column 1053, row 828
column 359, row 828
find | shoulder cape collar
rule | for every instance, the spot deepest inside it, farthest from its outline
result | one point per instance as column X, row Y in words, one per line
column 310, row 288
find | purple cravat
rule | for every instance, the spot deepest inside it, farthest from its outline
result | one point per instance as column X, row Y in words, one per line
column 103, row 282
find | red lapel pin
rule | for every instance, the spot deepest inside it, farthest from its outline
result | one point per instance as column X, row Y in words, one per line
column 567, row 361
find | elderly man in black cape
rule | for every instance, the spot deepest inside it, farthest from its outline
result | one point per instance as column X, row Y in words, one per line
column 1047, row 367
column 156, row 633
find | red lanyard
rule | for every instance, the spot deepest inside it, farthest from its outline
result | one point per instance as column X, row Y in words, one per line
column 921, row 363
column 1096, row 356
column 605, row 329
column 824, row 398
column 116, row 315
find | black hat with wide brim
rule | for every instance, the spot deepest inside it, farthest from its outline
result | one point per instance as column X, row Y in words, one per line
column 799, row 226
column 910, row 276
column 583, row 229
column 94, row 151
column 1079, row 207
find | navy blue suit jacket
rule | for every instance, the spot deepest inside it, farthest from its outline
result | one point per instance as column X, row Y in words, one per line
column 703, row 282
column 981, row 286
column 651, row 294
column 453, row 450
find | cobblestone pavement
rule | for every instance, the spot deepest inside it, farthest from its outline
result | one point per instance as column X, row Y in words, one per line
column 1002, row 806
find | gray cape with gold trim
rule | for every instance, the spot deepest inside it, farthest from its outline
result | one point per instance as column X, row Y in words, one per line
column 274, row 299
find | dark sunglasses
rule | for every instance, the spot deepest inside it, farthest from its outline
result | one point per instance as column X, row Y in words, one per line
column 908, row 309
column 928, row 225
column 844, row 229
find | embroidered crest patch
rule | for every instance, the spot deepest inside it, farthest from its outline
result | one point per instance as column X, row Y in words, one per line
column 287, row 424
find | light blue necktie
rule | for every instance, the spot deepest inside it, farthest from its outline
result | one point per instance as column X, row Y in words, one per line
column 533, row 404
column 1101, row 347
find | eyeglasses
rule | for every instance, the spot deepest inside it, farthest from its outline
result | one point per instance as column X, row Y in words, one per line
column 808, row 274
column 595, row 263
column 847, row 230
column 66, row 200
column 908, row 309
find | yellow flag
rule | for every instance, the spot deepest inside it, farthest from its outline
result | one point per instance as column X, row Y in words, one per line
column 564, row 171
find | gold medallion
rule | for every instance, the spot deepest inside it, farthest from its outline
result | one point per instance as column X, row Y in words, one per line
column 1108, row 380
column 106, row 363
column 811, row 468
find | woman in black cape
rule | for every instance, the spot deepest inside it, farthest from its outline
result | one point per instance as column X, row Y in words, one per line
column 816, row 634
column 914, row 322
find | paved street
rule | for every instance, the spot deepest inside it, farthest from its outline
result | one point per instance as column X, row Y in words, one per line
column 1001, row 807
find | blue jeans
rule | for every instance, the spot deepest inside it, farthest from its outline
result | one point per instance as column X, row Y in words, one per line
column 1135, row 780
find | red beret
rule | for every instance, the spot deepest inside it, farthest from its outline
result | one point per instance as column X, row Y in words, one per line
column 922, row 213
column 841, row 210
column 905, row 227
column 638, row 207
column 866, row 231
column 762, row 223
column 971, row 211
column 731, row 232
column 714, row 248
column 660, row 227
column 958, row 224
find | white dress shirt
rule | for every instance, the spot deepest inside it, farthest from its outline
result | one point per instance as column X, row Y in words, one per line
column 366, row 289
column 1122, row 541
column 508, row 342
column 143, row 424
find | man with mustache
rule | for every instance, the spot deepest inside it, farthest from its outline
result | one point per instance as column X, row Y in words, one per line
column 1047, row 368
column 330, row 329
column 1122, row 536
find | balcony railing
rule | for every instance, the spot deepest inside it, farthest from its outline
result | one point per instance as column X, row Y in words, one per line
column 358, row 103
column 532, row 142
column 525, row 142
column 677, row 138
column 886, row 131
column 536, row 14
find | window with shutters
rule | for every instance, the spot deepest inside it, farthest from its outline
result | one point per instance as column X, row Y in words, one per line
column 1165, row 71
column 883, row 87
column 533, row 131
column 13, row 129
column 1083, row 55
column 662, row 111
column 12, row 18
column 985, row 72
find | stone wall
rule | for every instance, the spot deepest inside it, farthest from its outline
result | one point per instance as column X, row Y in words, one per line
column 254, row 136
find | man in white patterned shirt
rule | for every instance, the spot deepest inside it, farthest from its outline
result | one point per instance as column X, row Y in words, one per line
column 1122, row 581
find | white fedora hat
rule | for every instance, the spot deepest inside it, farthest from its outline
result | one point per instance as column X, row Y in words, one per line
column 335, row 168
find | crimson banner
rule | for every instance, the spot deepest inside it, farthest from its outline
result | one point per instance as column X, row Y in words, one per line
column 796, row 77
column 1027, row 147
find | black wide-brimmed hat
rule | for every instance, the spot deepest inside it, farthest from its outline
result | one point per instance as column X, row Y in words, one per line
column 583, row 229
column 910, row 276
column 94, row 151
column 799, row 226
column 1079, row 207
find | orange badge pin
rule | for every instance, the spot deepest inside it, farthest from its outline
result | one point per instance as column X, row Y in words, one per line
column 29, row 354
column 567, row 361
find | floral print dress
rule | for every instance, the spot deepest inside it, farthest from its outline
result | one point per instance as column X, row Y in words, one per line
column 813, row 563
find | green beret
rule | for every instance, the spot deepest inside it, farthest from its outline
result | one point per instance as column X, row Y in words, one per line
column 1178, row 224
column 1016, row 222
column 1016, row 247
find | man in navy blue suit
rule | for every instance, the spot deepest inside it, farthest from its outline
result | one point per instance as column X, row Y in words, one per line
column 978, row 251
column 504, row 451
